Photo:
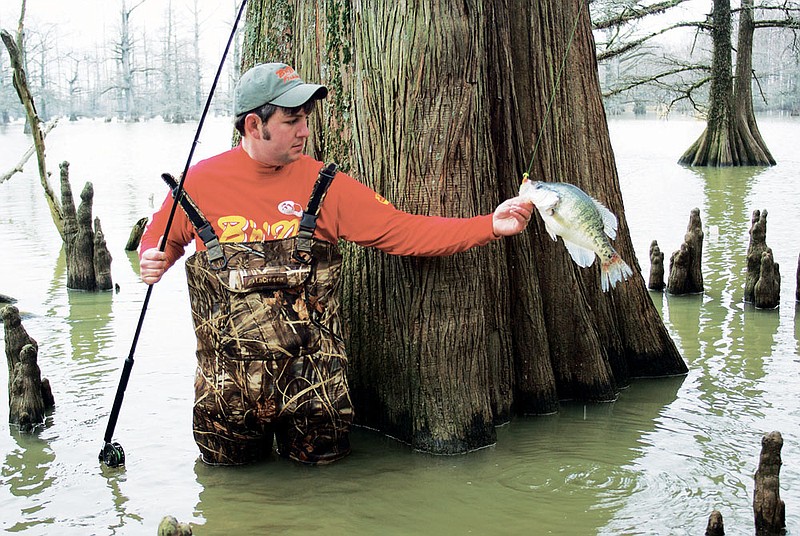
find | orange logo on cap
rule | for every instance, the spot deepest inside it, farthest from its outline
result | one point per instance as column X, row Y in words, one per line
column 287, row 74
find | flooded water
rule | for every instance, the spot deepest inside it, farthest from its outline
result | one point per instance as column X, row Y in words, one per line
column 656, row 461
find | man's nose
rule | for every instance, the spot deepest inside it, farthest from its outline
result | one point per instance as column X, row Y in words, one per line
column 303, row 131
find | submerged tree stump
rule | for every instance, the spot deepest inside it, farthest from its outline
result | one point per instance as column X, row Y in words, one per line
column 756, row 247
column 86, row 268
column 656, row 281
column 686, row 270
column 29, row 395
column 136, row 235
column 16, row 338
column 715, row 525
column 170, row 526
column 767, row 291
column 769, row 509
column 102, row 259
column 80, row 267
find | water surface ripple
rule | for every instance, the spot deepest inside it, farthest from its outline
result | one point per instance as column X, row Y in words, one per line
column 656, row 461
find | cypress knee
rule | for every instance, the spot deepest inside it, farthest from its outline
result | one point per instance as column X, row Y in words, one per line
column 101, row 260
column 80, row 267
column 136, row 235
column 656, row 281
column 767, row 291
column 16, row 338
column 715, row 525
column 756, row 247
column 170, row 526
column 769, row 509
column 685, row 270
column 30, row 396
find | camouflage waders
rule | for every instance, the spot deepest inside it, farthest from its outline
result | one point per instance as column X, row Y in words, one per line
column 269, row 357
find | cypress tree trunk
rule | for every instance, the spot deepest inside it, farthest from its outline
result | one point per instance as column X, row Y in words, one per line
column 750, row 147
column 441, row 376
column 596, row 341
column 439, row 105
column 731, row 137
column 713, row 147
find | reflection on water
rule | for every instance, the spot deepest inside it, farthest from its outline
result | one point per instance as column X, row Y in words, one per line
column 538, row 479
column 743, row 363
column 656, row 461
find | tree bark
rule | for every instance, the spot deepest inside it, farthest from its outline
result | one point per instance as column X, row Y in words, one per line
column 755, row 249
column 88, row 259
column 716, row 526
column 750, row 148
column 767, row 291
column 656, row 281
column 443, row 361
column 768, row 507
column 80, row 265
column 136, row 235
column 29, row 395
column 101, row 259
column 797, row 281
column 686, row 264
column 16, row 337
column 439, row 105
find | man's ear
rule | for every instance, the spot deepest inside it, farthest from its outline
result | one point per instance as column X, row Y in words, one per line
column 252, row 125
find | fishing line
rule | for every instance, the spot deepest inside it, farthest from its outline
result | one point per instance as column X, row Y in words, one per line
column 556, row 85
column 112, row 454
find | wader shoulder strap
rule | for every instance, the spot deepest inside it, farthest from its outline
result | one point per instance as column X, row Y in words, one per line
column 204, row 229
column 308, row 223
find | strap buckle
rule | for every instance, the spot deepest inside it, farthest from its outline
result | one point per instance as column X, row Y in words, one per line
column 308, row 222
column 216, row 258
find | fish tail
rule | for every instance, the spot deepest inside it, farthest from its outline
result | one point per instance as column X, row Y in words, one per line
column 613, row 271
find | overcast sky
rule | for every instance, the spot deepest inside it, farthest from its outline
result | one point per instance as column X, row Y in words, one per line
column 88, row 22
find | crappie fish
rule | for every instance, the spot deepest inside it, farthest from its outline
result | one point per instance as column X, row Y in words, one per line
column 583, row 223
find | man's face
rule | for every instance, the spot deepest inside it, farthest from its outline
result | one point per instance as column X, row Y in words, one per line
column 281, row 139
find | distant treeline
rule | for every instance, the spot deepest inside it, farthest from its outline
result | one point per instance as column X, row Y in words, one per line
column 143, row 69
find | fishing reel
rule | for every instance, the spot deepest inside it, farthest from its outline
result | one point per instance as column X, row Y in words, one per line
column 112, row 455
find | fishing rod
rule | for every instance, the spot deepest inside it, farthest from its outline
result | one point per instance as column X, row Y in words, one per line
column 112, row 454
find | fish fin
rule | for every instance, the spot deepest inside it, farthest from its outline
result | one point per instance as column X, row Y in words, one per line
column 609, row 220
column 545, row 201
column 547, row 227
column 583, row 257
column 614, row 271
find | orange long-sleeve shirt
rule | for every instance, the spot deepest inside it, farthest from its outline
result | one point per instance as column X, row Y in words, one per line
column 246, row 201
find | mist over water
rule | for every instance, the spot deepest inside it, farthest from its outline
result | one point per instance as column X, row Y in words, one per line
column 656, row 461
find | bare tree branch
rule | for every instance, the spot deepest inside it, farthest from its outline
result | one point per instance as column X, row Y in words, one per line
column 650, row 80
column 25, row 157
column 778, row 23
column 635, row 13
column 626, row 47
column 21, row 85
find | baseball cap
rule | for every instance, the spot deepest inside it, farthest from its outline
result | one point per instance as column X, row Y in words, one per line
column 273, row 83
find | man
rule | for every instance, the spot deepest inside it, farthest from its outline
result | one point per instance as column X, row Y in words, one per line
column 271, row 363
